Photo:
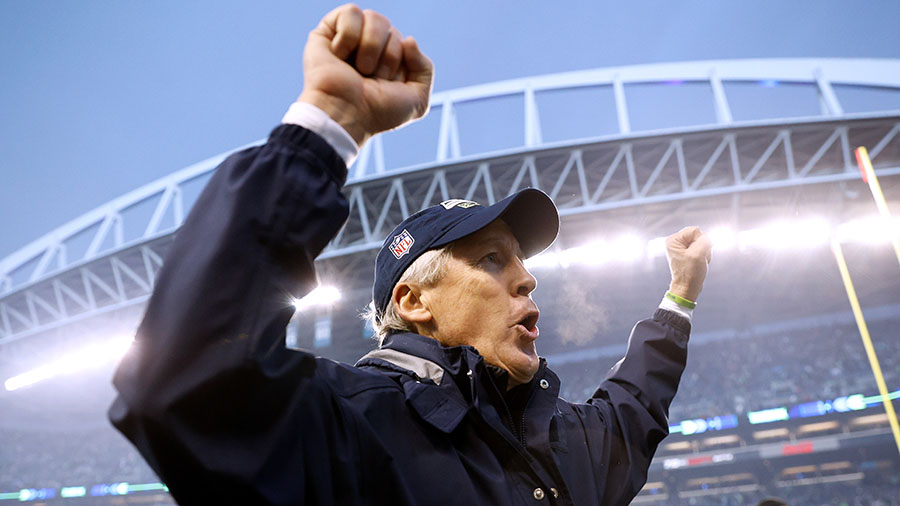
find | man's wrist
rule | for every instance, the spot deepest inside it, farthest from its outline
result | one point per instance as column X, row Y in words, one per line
column 685, row 291
column 338, row 111
column 681, row 301
column 313, row 118
column 670, row 305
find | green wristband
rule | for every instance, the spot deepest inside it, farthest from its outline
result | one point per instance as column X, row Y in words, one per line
column 681, row 301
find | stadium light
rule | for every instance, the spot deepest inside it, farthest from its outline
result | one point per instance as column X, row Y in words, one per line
column 625, row 248
column 871, row 230
column 85, row 358
column 723, row 238
column 656, row 247
column 545, row 259
column 592, row 253
column 320, row 296
column 783, row 235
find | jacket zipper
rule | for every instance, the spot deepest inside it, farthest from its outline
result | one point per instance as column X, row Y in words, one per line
column 520, row 437
column 507, row 416
column 524, row 409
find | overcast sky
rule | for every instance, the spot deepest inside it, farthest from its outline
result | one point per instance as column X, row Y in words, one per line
column 100, row 97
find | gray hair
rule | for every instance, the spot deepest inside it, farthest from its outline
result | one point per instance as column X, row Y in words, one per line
column 426, row 270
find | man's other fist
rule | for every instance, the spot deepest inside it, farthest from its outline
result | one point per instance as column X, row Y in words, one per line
column 364, row 74
column 689, row 253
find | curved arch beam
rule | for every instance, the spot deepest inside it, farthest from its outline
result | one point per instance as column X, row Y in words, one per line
column 585, row 177
column 47, row 255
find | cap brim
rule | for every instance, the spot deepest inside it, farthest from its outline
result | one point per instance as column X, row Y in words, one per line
column 530, row 214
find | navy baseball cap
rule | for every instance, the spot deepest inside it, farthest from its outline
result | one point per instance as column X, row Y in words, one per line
column 529, row 213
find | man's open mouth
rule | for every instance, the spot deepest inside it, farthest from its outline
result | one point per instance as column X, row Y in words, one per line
column 529, row 323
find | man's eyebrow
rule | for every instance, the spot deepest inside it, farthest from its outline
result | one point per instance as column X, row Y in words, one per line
column 497, row 241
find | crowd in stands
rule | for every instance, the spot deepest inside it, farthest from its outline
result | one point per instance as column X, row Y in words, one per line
column 730, row 376
column 741, row 374
column 45, row 459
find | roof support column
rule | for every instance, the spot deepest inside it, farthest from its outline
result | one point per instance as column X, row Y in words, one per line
column 621, row 105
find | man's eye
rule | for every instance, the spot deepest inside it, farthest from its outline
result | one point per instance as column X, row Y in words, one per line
column 492, row 257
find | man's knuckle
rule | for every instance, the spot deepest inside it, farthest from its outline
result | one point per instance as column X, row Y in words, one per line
column 375, row 17
column 349, row 11
column 392, row 57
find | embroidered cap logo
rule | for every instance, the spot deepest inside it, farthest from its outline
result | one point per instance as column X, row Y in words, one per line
column 401, row 243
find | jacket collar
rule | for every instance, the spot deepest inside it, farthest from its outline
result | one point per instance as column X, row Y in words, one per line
column 439, row 383
column 431, row 375
column 454, row 359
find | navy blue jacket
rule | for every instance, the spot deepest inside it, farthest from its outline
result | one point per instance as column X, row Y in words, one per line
column 225, row 414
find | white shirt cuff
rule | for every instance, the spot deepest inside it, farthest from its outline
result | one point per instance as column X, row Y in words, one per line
column 670, row 305
column 314, row 119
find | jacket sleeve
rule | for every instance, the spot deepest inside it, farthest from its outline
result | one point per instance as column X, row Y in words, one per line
column 208, row 392
column 633, row 401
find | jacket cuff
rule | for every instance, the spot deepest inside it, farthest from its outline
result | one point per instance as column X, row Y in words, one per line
column 315, row 119
column 304, row 140
column 674, row 319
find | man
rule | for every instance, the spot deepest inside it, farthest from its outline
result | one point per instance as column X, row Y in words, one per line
column 455, row 407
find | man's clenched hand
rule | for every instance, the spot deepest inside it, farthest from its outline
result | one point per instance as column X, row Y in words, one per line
column 689, row 253
column 364, row 74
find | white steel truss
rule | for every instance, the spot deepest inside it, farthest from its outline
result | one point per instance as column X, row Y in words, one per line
column 595, row 176
column 581, row 178
column 54, row 280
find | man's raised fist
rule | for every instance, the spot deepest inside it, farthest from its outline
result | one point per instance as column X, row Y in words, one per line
column 364, row 74
column 689, row 252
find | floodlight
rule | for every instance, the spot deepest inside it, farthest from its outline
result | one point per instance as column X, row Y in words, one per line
column 625, row 248
column 808, row 233
column 592, row 253
column 545, row 259
column 320, row 296
column 874, row 229
column 80, row 360
column 723, row 238
column 656, row 247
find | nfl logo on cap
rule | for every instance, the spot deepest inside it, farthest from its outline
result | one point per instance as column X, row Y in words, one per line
column 401, row 244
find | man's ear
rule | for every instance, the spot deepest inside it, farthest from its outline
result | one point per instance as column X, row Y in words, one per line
column 410, row 306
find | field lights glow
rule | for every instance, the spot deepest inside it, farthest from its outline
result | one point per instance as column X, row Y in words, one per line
column 656, row 247
column 545, row 259
column 320, row 296
column 780, row 235
column 592, row 253
column 625, row 248
column 85, row 358
column 869, row 230
column 787, row 235
column 723, row 238
column 806, row 233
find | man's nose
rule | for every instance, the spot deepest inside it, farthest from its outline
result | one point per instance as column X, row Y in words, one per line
column 525, row 282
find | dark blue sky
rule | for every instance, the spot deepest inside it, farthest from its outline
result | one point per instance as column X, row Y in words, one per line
column 100, row 97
